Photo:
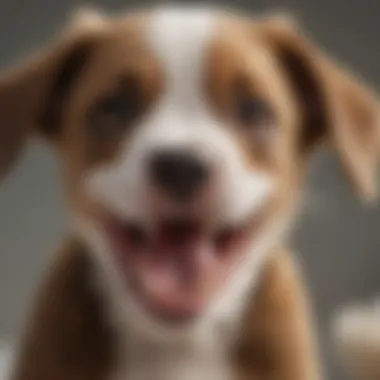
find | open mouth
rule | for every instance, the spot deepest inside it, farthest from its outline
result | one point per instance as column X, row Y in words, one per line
column 176, row 268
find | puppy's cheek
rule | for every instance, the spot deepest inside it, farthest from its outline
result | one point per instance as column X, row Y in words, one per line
column 246, row 193
column 243, row 188
column 110, row 188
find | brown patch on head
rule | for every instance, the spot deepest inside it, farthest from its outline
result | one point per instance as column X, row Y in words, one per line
column 102, row 113
column 310, row 98
column 247, row 92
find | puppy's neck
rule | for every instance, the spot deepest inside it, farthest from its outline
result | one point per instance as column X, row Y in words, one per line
column 206, row 345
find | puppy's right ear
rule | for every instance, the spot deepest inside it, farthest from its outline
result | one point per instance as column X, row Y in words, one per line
column 32, row 95
column 335, row 105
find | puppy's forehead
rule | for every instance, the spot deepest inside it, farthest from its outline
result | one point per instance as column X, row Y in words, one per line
column 179, row 38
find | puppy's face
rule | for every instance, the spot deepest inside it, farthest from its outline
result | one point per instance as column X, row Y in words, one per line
column 183, row 136
column 179, row 148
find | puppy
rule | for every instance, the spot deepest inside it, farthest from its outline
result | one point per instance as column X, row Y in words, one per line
column 183, row 136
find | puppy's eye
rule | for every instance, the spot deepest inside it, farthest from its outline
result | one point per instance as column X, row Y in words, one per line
column 115, row 113
column 117, row 107
column 254, row 112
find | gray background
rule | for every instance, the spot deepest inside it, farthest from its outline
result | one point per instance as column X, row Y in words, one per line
column 337, row 239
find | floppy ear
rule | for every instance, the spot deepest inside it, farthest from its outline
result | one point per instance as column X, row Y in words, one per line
column 335, row 105
column 32, row 95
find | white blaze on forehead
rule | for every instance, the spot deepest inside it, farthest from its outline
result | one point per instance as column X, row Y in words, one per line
column 179, row 38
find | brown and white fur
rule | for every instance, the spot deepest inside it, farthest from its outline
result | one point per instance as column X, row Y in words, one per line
column 184, row 72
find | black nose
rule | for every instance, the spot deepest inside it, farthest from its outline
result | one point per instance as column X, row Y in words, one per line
column 180, row 174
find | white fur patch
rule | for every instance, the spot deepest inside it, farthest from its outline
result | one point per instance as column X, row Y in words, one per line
column 356, row 332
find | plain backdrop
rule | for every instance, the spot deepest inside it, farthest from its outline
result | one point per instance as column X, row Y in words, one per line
column 336, row 238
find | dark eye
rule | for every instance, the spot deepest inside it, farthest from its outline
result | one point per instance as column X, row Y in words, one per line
column 254, row 112
column 118, row 107
column 115, row 112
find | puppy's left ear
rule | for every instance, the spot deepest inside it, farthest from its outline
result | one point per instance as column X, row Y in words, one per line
column 335, row 106
column 32, row 95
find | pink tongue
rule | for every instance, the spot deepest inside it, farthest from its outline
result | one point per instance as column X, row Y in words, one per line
column 176, row 268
